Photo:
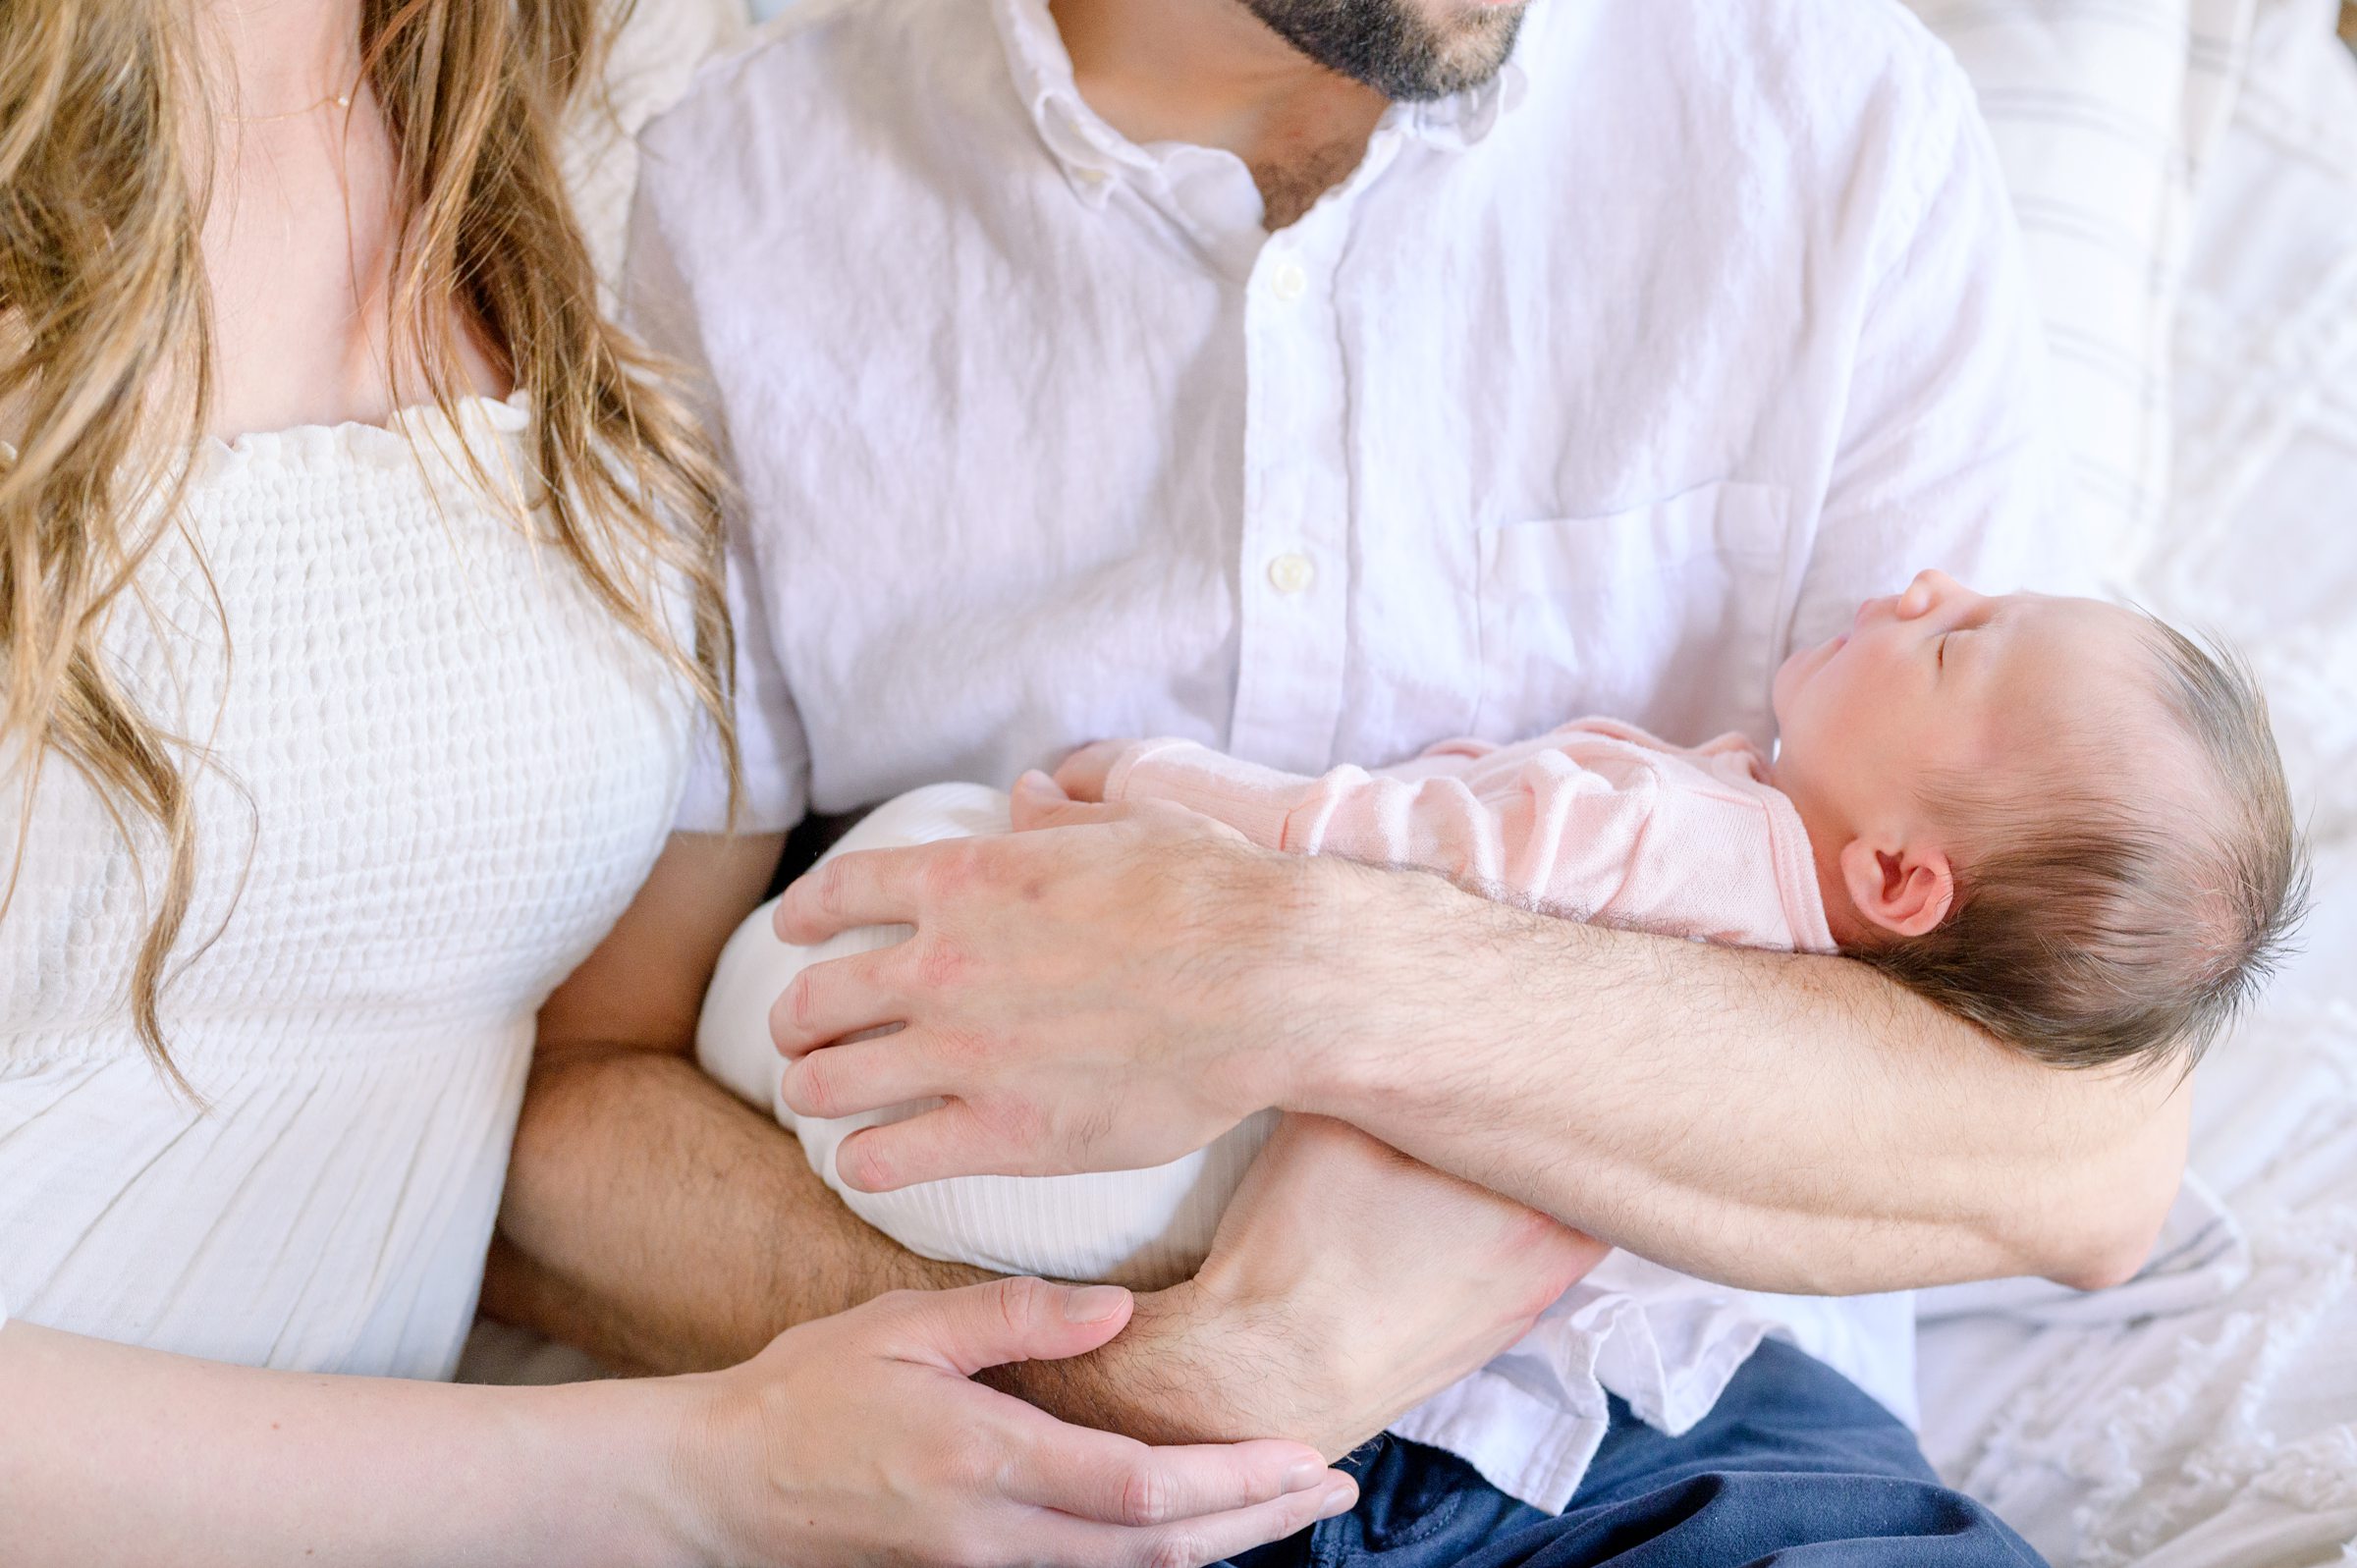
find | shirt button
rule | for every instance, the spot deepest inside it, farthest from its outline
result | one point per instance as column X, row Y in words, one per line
column 1291, row 574
column 1289, row 282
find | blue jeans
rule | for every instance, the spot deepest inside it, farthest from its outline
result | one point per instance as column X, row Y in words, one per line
column 1795, row 1466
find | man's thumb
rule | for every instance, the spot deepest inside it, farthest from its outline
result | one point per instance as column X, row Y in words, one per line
column 1015, row 1320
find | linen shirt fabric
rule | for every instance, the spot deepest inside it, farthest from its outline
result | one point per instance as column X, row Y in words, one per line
column 1592, row 389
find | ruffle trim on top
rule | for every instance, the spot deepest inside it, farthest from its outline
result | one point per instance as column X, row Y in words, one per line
column 420, row 430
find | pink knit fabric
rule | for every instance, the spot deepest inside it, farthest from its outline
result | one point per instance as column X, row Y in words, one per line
column 1597, row 820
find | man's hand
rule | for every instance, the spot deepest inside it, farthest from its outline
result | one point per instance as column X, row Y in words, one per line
column 1348, row 1284
column 1104, row 994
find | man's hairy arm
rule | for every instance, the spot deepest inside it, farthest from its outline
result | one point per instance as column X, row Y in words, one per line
column 1775, row 1120
column 1129, row 981
column 632, row 1172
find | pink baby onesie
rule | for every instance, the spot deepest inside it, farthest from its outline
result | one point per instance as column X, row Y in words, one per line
column 1597, row 820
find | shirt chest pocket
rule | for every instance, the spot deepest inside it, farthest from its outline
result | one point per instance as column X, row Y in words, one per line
column 1670, row 616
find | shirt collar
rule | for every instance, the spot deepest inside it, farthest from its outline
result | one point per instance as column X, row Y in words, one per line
column 1091, row 152
column 1094, row 156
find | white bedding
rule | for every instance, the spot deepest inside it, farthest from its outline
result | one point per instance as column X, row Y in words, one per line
column 2223, row 1433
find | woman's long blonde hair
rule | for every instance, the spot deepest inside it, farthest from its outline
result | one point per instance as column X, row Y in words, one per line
column 106, row 353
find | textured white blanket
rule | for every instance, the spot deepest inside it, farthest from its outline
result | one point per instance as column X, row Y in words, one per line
column 2207, row 1416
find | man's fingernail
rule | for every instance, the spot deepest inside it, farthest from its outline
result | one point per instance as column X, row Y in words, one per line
column 1095, row 1304
column 1303, row 1477
column 1337, row 1501
column 1033, row 780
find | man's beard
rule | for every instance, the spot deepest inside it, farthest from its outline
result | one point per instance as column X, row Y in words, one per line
column 1392, row 47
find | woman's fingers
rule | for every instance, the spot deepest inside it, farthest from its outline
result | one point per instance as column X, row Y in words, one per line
column 1223, row 1535
column 1117, row 1480
column 964, row 1330
column 1103, row 1497
column 1187, row 1544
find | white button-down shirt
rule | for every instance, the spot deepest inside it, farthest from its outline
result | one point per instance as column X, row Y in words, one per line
column 1591, row 390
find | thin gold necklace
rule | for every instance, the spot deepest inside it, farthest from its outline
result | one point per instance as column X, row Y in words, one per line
column 342, row 100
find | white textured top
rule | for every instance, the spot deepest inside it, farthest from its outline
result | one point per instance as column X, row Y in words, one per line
column 441, row 770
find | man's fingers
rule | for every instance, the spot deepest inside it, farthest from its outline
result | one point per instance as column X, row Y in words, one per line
column 860, row 1075
column 1116, row 1481
column 950, row 1140
column 1004, row 1321
column 841, row 996
column 863, row 888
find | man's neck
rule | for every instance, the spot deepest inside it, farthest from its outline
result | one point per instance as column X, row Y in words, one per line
column 1211, row 74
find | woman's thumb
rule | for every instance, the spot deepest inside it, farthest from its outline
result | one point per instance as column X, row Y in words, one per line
column 1014, row 1319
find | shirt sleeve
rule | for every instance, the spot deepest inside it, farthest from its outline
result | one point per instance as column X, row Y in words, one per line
column 658, row 304
column 1527, row 823
column 1946, row 456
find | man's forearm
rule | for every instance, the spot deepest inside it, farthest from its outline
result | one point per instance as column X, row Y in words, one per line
column 661, row 1224
column 1769, row 1120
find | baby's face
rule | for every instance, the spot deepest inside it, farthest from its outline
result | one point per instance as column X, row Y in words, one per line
column 1940, row 680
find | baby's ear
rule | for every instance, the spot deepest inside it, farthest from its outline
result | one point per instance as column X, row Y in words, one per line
column 1906, row 890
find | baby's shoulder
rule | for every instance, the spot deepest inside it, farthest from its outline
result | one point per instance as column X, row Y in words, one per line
column 1731, row 758
column 1725, row 856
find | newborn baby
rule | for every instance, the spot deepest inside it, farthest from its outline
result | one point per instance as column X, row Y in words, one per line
column 2055, row 817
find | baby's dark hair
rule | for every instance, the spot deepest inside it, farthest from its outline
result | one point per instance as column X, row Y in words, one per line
column 2090, row 926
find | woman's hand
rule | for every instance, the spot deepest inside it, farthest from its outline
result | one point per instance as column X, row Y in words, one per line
column 861, row 1438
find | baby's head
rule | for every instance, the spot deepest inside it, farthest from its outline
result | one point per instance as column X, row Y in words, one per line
column 2058, row 818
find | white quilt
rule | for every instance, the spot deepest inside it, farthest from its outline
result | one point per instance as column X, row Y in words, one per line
column 2214, row 1424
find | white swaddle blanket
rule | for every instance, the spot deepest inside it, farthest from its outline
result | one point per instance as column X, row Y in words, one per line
column 1141, row 1229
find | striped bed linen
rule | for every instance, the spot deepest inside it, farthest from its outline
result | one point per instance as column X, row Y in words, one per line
column 2104, row 113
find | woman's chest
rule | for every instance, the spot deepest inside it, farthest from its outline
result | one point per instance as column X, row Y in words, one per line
column 427, row 770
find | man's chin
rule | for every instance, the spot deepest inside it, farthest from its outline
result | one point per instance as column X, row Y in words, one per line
column 1394, row 46
column 1477, row 46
